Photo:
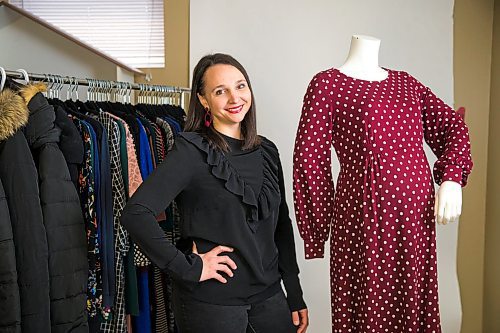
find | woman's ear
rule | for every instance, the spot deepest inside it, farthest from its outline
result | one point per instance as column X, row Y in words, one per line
column 202, row 100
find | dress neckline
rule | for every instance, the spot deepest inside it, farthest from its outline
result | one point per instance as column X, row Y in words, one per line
column 389, row 73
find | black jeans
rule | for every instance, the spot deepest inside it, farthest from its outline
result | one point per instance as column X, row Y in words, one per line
column 269, row 316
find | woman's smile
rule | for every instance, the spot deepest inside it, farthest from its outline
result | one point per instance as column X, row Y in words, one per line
column 235, row 110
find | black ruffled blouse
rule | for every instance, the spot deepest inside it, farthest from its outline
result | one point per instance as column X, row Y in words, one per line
column 235, row 199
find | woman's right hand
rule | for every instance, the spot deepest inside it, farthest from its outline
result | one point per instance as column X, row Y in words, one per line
column 213, row 263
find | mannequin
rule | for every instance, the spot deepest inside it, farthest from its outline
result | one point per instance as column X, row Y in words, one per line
column 380, row 217
column 362, row 63
column 362, row 60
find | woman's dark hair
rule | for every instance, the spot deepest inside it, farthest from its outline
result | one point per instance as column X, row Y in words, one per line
column 195, row 121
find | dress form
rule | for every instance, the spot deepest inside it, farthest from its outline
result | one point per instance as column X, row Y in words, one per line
column 362, row 60
column 362, row 63
column 378, row 214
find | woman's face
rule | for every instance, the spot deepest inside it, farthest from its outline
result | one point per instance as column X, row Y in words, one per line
column 227, row 95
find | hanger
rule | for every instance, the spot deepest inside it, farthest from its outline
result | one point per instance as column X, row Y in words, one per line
column 3, row 76
column 59, row 81
column 11, row 83
column 48, row 79
column 72, row 88
column 25, row 75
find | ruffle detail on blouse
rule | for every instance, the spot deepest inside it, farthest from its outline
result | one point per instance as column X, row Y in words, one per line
column 261, row 205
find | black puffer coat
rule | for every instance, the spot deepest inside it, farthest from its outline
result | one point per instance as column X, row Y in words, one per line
column 11, row 120
column 10, row 303
column 71, row 143
column 62, row 217
column 19, row 177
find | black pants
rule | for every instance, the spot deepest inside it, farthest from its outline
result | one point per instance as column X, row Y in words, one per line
column 269, row 316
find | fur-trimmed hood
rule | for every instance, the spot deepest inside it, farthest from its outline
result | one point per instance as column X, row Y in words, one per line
column 14, row 113
column 31, row 90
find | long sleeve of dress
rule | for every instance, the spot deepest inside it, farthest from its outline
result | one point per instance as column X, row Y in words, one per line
column 447, row 135
column 312, row 175
column 153, row 197
column 287, row 259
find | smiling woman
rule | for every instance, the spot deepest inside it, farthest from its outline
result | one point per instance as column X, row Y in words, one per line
column 228, row 184
column 227, row 97
column 223, row 96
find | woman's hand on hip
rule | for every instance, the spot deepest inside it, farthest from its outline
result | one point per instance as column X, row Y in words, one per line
column 214, row 264
column 301, row 320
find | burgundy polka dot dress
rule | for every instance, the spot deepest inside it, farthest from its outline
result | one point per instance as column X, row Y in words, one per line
column 380, row 217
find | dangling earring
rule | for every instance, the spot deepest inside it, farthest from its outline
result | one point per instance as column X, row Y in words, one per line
column 208, row 117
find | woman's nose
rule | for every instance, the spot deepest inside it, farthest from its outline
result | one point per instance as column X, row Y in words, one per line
column 233, row 96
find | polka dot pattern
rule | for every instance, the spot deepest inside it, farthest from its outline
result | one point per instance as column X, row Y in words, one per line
column 380, row 219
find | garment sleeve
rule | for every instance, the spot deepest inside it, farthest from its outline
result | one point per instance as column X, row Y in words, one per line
column 287, row 258
column 448, row 136
column 153, row 197
column 312, row 174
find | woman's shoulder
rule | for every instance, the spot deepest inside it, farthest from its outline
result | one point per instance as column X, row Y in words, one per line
column 188, row 143
column 267, row 143
column 270, row 148
column 189, row 136
column 193, row 140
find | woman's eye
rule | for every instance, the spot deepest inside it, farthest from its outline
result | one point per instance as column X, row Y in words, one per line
column 242, row 85
column 219, row 92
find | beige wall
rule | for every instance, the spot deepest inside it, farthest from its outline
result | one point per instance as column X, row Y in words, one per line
column 176, row 71
column 472, row 66
column 492, row 241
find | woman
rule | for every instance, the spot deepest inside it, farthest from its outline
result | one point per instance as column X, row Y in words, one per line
column 229, row 188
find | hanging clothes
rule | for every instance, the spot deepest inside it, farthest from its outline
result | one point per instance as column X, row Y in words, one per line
column 118, row 320
column 9, row 293
column 13, row 116
column 19, row 177
column 160, row 287
column 70, row 143
column 107, row 234
column 87, row 186
column 68, row 168
column 145, row 167
column 62, row 217
column 106, row 287
column 122, row 146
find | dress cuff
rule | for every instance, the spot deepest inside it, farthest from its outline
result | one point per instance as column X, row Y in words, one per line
column 453, row 173
column 314, row 248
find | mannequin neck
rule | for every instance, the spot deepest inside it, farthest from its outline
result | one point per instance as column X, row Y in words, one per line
column 362, row 60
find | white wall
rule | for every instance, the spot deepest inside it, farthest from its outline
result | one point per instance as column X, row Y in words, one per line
column 283, row 43
column 28, row 45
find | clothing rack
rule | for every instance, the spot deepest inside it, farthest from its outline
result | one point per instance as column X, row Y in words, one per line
column 95, row 83
column 118, row 145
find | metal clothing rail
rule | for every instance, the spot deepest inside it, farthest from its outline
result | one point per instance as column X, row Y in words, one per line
column 95, row 83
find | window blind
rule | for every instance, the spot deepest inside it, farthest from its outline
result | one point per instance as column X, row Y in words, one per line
column 131, row 31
